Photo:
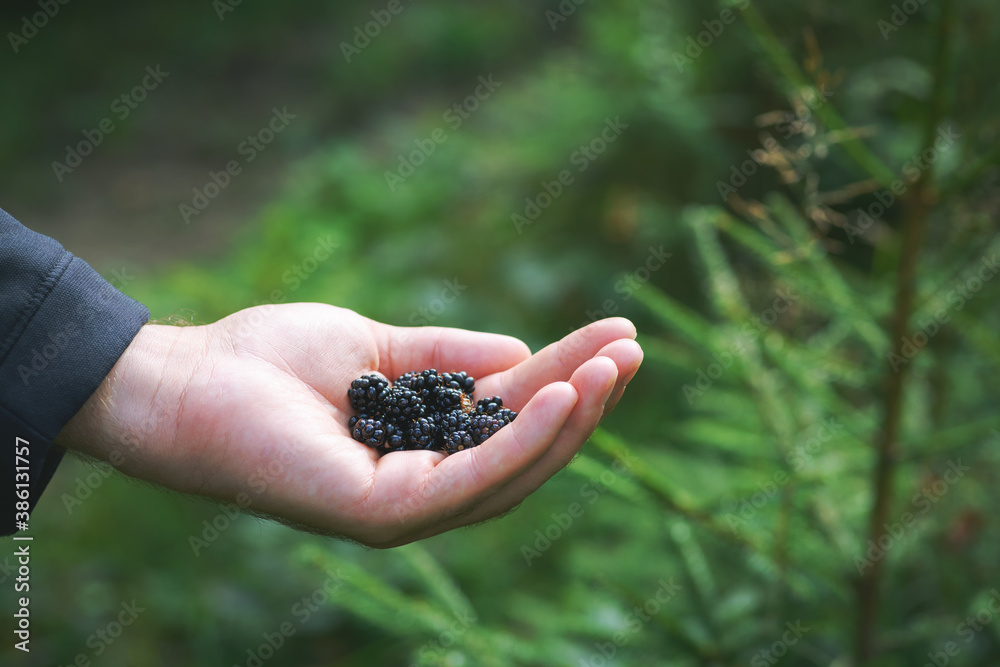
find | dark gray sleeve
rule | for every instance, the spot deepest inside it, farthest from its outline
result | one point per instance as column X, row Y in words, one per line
column 62, row 328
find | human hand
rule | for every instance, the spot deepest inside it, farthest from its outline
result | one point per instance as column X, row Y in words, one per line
column 253, row 409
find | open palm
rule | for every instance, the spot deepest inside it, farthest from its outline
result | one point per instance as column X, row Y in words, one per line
column 253, row 409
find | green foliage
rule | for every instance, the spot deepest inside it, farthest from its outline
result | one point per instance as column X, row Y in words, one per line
column 739, row 466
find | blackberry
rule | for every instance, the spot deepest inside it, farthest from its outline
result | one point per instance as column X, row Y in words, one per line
column 422, row 382
column 371, row 432
column 460, row 381
column 400, row 405
column 489, row 406
column 395, row 438
column 455, row 420
column 422, row 434
column 445, row 399
column 456, row 441
column 505, row 416
column 483, row 427
column 365, row 391
column 423, row 410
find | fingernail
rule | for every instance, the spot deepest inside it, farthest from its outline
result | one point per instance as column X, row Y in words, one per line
column 607, row 395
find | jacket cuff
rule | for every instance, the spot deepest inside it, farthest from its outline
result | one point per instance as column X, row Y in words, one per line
column 67, row 347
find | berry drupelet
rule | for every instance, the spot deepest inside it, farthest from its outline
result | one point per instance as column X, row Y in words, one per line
column 401, row 405
column 456, row 441
column 423, row 434
column 422, row 382
column 489, row 406
column 369, row 431
column 423, row 410
column 460, row 381
column 365, row 391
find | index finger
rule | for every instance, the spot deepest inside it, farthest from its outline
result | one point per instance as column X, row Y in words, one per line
column 557, row 362
column 402, row 349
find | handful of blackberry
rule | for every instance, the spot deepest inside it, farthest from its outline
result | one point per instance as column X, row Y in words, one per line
column 423, row 410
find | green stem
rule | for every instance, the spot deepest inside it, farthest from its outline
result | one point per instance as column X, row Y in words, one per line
column 918, row 206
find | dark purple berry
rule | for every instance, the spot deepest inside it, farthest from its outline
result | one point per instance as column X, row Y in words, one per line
column 395, row 438
column 460, row 381
column 489, row 406
column 483, row 427
column 456, row 441
column 400, row 405
column 424, row 410
column 419, row 381
column 505, row 416
column 423, row 433
column 455, row 420
column 365, row 391
column 371, row 432
column 445, row 399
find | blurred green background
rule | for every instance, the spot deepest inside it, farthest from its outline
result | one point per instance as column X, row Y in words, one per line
column 724, row 513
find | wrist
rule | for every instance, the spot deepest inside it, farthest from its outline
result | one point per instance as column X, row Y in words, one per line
column 129, row 420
